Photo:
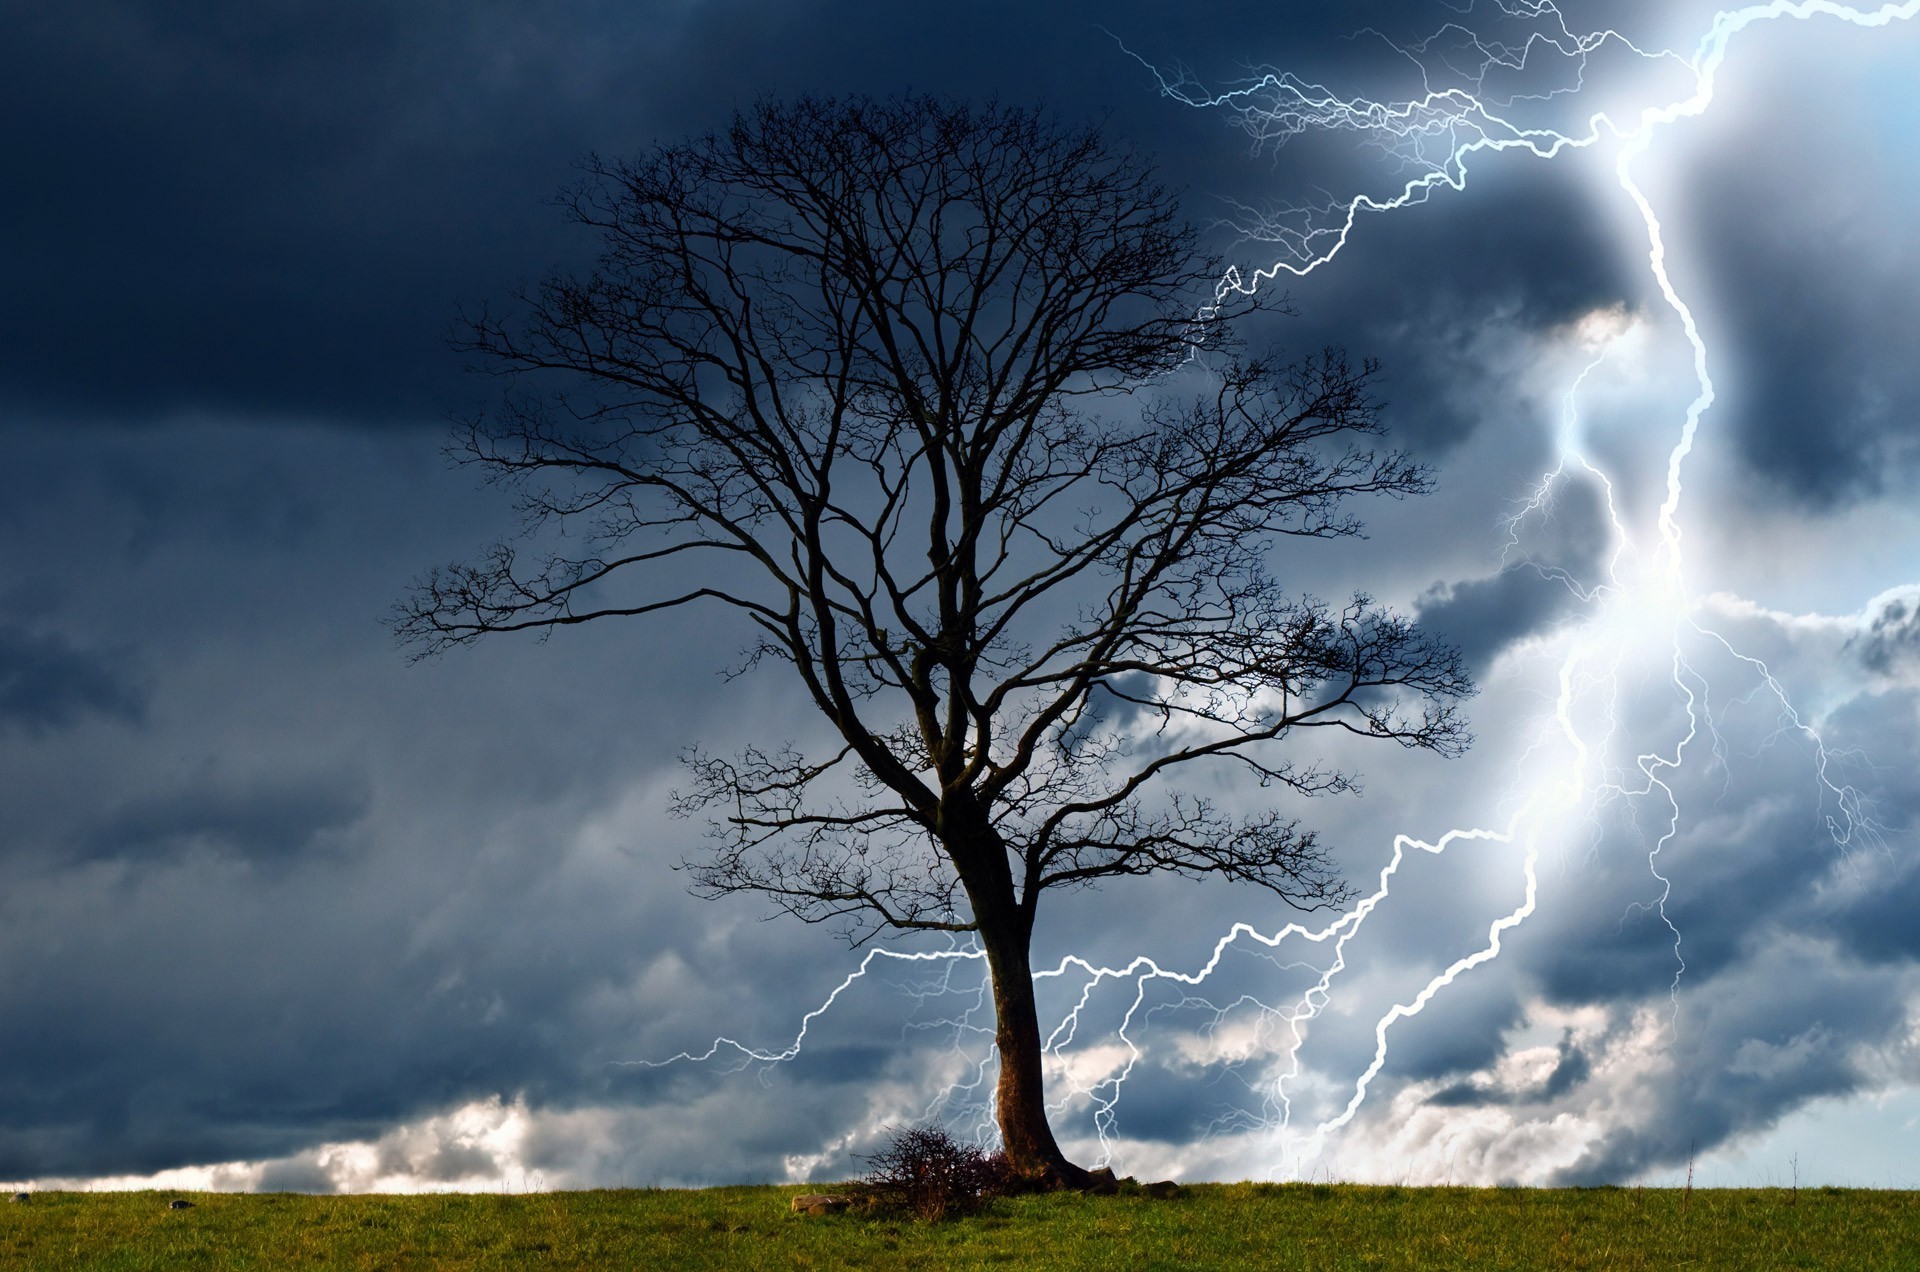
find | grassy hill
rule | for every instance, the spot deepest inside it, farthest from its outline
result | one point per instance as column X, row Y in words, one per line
column 1207, row 1226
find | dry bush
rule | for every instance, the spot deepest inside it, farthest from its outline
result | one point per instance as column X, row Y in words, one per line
column 925, row 1172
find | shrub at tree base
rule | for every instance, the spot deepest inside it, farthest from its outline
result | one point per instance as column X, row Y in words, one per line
column 928, row 1174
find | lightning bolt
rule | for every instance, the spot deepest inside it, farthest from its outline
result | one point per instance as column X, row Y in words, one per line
column 1278, row 105
column 1440, row 136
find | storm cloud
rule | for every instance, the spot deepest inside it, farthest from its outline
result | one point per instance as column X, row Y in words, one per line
column 284, row 911
column 48, row 682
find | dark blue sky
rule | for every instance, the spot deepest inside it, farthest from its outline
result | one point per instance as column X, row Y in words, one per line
column 271, row 889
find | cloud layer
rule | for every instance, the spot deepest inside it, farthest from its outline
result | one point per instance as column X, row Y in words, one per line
column 284, row 912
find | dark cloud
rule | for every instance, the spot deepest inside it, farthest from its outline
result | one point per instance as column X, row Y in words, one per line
column 1872, row 908
column 1745, row 1058
column 270, row 819
column 1829, row 399
column 1470, row 1036
column 274, row 208
column 48, row 682
column 1891, row 642
column 1811, row 301
column 1880, row 925
column 1793, row 935
column 1434, row 290
column 1571, row 1069
column 1178, row 1105
column 318, row 895
column 1483, row 616
column 277, row 209
column 1562, row 565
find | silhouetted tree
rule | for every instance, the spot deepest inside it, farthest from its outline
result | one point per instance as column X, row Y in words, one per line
column 894, row 381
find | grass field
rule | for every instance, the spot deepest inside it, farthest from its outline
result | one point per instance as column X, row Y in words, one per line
column 1208, row 1226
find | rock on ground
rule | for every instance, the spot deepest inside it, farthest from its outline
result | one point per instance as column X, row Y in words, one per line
column 820, row 1204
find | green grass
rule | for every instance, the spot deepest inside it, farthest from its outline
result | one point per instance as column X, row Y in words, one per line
column 1209, row 1226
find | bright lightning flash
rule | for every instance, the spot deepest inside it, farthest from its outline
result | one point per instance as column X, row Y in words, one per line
column 1641, row 613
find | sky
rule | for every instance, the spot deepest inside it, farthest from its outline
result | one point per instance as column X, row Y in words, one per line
column 286, row 911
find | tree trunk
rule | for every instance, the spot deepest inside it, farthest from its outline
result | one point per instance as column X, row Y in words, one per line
column 1005, row 927
column 1020, row 1098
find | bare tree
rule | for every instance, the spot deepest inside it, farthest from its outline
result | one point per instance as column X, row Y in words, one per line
column 895, row 380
